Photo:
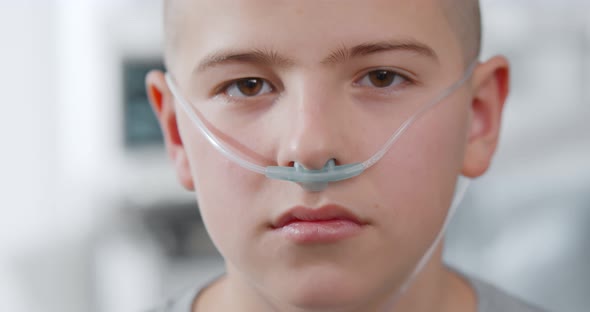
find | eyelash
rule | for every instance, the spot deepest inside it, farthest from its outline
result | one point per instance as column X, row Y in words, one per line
column 223, row 89
column 387, row 89
column 407, row 81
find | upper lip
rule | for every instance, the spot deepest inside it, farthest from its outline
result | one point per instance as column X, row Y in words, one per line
column 324, row 213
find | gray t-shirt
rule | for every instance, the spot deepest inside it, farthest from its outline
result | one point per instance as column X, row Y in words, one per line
column 490, row 299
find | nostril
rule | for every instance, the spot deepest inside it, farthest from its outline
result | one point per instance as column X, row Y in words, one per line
column 330, row 164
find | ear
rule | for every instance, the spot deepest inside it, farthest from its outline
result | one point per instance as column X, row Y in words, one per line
column 490, row 88
column 162, row 103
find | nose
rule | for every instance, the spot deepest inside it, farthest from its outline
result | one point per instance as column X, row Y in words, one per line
column 315, row 131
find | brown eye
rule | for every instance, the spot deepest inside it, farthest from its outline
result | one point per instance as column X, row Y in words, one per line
column 248, row 87
column 382, row 79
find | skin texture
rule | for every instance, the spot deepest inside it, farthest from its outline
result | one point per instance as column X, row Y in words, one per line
column 404, row 198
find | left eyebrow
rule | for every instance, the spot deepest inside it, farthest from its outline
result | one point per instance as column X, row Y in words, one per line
column 345, row 53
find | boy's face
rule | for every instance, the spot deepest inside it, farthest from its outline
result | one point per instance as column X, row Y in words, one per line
column 402, row 200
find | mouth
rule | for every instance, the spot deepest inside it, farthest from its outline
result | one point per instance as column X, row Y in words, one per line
column 327, row 224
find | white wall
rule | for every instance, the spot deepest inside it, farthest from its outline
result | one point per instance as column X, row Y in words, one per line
column 60, row 167
column 28, row 156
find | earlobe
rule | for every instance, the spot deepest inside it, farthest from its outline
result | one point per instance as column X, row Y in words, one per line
column 162, row 103
column 490, row 89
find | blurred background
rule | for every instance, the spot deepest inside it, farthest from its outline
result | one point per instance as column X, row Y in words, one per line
column 93, row 219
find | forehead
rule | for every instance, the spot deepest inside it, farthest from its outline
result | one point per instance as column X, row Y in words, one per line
column 305, row 29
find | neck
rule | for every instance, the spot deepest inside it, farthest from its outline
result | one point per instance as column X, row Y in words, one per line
column 435, row 288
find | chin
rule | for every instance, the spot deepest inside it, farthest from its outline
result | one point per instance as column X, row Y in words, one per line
column 326, row 290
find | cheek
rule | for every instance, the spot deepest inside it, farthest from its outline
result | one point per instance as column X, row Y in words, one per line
column 226, row 193
column 415, row 180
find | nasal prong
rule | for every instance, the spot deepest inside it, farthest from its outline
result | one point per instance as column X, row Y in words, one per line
column 315, row 180
column 315, row 186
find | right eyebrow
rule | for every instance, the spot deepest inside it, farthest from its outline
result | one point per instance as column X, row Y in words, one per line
column 256, row 56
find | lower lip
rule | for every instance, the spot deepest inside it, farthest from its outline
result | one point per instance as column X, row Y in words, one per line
column 327, row 231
